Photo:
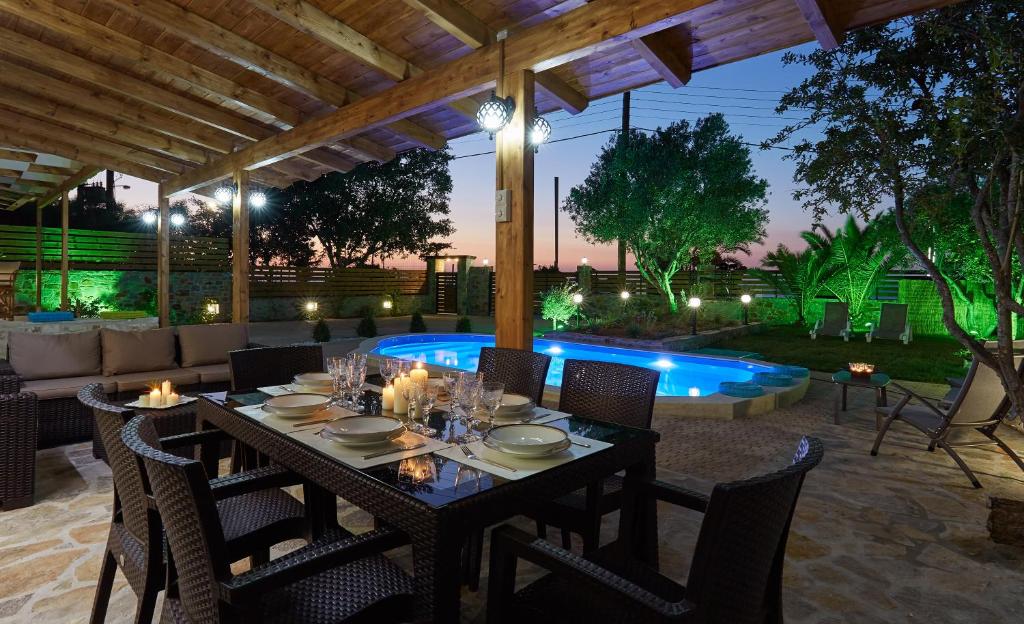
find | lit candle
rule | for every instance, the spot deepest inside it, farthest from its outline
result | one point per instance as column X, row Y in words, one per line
column 165, row 387
column 155, row 400
column 419, row 374
column 387, row 401
column 144, row 400
column 172, row 398
column 401, row 405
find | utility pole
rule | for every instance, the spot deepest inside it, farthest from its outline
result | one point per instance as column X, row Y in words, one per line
column 623, row 137
column 110, row 188
column 556, row 223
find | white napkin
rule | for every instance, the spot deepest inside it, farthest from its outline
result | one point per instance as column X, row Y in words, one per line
column 291, row 425
column 353, row 456
column 524, row 466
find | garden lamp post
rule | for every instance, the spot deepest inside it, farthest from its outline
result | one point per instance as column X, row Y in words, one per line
column 694, row 303
column 745, row 300
column 578, row 300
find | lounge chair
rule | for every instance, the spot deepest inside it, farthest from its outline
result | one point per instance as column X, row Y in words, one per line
column 980, row 405
column 955, row 383
column 836, row 322
column 892, row 324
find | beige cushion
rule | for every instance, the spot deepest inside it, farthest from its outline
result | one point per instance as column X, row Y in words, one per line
column 209, row 344
column 51, row 356
column 65, row 387
column 179, row 377
column 137, row 351
column 211, row 373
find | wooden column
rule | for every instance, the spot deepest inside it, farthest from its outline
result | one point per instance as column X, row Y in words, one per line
column 39, row 257
column 240, row 249
column 163, row 258
column 513, row 276
column 64, row 263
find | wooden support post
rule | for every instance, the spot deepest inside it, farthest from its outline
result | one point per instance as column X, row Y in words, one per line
column 64, row 263
column 163, row 258
column 39, row 257
column 240, row 249
column 514, row 259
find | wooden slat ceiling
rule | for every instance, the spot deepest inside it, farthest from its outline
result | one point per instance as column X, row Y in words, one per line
column 156, row 88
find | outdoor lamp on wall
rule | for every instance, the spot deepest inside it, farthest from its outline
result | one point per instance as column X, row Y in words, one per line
column 224, row 194
column 177, row 219
column 495, row 113
column 745, row 299
column 387, row 304
column 694, row 303
column 540, row 132
column 312, row 306
column 257, row 199
column 149, row 217
column 584, row 261
column 213, row 308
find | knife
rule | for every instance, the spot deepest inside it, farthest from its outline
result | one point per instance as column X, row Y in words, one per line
column 395, row 450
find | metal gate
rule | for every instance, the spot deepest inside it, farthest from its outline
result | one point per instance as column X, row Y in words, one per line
column 447, row 293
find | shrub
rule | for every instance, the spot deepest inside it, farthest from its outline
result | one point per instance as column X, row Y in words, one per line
column 321, row 332
column 367, row 327
column 463, row 325
column 416, row 324
column 557, row 306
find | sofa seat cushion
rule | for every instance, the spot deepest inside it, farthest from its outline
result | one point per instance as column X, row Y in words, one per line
column 137, row 351
column 209, row 344
column 212, row 373
column 65, row 387
column 179, row 378
column 54, row 356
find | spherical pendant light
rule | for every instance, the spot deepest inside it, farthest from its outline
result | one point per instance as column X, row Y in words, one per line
column 495, row 113
column 540, row 132
column 224, row 193
column 257, row 199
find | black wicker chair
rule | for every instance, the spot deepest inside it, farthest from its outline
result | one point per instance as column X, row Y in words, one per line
column 607, row 392
column 255, row 512
column 735, row 575
column 337, row 578
column 522, row 372
column 270, row 366
column 19, row 415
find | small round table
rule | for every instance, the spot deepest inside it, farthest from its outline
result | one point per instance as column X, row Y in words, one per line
column 877, row 381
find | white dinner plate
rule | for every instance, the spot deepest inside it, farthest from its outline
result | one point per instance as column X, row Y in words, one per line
column 291, row 405
column 525, row 439
column 363, row 430
column 528, row 453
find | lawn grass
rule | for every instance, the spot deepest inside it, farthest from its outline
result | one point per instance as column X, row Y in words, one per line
column 926, row 358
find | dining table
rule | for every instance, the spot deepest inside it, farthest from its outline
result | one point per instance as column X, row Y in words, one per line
column 435, row 494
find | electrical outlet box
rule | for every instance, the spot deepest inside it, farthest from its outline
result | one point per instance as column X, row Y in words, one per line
column 503, row 206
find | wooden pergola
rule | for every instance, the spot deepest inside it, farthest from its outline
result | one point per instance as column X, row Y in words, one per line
column 190, row 93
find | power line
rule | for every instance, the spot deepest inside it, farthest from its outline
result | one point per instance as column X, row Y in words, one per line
column 670, row 110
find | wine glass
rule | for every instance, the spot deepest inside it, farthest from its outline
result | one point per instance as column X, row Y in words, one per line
column 356, row 368
column 490, row 398
column 468, row 394
column 388, row 370
column 410, row 392
column 425, row 400
column 451, row 380
column 336, row 367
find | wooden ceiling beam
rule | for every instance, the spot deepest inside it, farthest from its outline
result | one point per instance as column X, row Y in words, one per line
column 81, row 177
column 11, row 173
column 231, row 46
column 51, row 170
column 26, row 140
column 459, row 22
column 821, row 18
column 102, row 126
column 600, row 25
column 331, row 159
column 670, row 53
column 6, row 154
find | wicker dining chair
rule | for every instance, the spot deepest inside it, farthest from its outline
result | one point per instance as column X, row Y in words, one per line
column 735, row 573
column 522, row 372
column 602, row 391
column 270, row 366
column 19, row 417
column 255, row 511
column 338, row 577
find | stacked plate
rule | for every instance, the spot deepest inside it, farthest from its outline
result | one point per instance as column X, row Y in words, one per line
column 527, row 440
column 295, row 405
column 363, row 430
column 514, row 407
column 320, row 383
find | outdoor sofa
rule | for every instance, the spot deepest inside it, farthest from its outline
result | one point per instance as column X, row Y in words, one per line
column 40, row 380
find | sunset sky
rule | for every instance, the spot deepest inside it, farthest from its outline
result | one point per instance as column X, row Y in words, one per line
column 745, row 92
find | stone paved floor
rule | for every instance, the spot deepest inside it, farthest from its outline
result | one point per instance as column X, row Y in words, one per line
column 896, row 538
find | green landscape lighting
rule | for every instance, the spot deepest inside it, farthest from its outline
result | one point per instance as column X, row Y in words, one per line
column 745, row 299
column 694, row 303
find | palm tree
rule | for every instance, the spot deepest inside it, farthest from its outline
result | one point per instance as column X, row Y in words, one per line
column 799, row 277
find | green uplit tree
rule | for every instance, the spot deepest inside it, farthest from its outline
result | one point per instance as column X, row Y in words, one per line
column 557, row 305
column 678, row 192
column 799, row 277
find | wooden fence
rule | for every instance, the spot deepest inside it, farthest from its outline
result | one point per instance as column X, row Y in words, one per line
column 97, row 249
column 273, row 281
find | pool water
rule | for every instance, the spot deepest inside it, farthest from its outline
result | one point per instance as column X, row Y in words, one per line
column 681, row 375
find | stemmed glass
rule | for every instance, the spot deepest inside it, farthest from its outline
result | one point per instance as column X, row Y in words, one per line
column 451, row 381
column 410, row 392
column 468, row 395
column 356, row 377
column 389, row 370
column 490, row 398
column 426, row 397
column 336, row 367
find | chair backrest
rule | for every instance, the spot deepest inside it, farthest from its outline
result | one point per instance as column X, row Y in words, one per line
column 191, row 521
column 270, row 366
column 131, row 489
column 736, row 572
column 617, row 393
column 982, row 396
column 837, row 316
column 893, row 319
column 522, row 372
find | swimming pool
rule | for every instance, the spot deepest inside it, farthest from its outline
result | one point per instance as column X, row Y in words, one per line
column 681, row 375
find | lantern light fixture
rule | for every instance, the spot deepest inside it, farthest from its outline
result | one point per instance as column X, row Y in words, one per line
column 577, row 298
column 312, row 306
column 540, row 132
column 745, row 299
column 495, row 113
column 387, row 304
column 257, row 199
column 694, row 302
column 584, row 261
column 624, row 295
column 213, row 308
column 177, row 219
column 224, row 193
column 149, row 217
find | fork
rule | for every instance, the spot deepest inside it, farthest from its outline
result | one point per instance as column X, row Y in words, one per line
column 471, row 455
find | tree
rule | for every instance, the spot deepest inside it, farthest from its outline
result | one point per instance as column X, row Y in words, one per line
column 377, row 210
column 800, row 277
column 670, row 195
column 934, row 99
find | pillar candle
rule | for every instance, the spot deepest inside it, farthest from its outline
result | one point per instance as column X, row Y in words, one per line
column 173, row 398
column 144, row 400
column 165, row 388
column 419, row 374
column 155, row 400
column 387, row 401
column 401, row 405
